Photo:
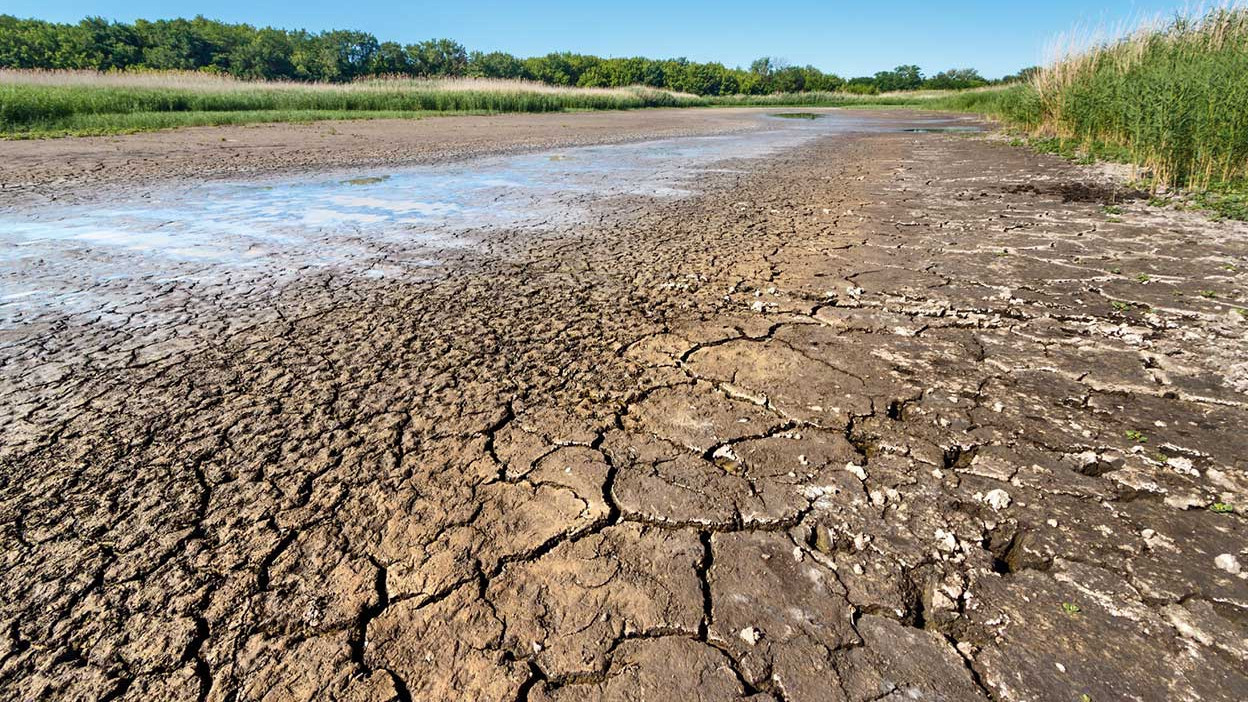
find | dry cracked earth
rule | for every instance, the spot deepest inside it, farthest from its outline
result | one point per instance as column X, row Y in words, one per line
column 887, row 417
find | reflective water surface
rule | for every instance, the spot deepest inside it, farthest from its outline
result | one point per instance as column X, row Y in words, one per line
column 280, row 226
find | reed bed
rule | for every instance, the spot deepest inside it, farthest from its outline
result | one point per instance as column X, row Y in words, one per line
column 39, row 103
column 1172, row 93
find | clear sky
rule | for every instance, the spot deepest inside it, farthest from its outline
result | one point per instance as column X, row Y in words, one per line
column 848, row 38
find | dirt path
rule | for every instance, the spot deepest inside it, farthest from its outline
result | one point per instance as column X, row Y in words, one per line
column 892, row 416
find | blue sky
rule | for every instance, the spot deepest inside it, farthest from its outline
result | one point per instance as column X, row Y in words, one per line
column 848, row 38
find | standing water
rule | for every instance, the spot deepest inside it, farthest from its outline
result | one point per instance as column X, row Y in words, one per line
column 56, row 258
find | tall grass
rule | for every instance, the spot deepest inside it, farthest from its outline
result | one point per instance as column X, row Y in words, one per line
column 36, row 103
column 1172, row 93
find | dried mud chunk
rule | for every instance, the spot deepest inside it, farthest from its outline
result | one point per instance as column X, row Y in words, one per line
column 778, row 612
column 315, row 586
column 905, row 663
column 664, row 668
column 445, row 650
column 283, row 669
column 659, row 350
column 568, row 608
column 519, row 519
column 795, row 456
column 379, row 686
column 797, row 386
column 1038, row 406
column 658, row 483
column 1082, row 631
column 581, row 471
column 698, row 417
column 1174, row 427
column 1182, row 548
column 181, row 684
column 1201, row 622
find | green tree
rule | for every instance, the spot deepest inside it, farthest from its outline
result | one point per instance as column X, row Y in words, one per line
column 109, row 45
column 267, row 56
column 391, row 60
column 495, row 64
column 956, row 79
column 438, row 57
column 907, row 77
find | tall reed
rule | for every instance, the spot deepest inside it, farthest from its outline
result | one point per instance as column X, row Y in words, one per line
column 1173, row 93
column 34, row 102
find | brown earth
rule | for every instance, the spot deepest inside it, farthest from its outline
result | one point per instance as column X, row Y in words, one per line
column 890, row 417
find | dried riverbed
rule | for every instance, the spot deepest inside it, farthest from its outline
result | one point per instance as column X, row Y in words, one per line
column 869, row 415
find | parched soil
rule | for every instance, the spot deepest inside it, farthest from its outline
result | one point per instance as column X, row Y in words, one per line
column 894, row 416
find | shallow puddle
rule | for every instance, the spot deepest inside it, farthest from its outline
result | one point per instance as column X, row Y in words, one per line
column 356, row 221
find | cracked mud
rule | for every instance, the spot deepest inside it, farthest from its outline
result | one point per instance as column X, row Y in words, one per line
column 887, row 416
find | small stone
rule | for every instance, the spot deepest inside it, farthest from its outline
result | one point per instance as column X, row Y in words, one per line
column 946, row 541
column 726, row 459
column 1052, row 523
column 1229, row 563
column 997, row 499
column 751, row 635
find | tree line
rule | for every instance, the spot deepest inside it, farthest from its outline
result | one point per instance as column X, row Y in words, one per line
column 248, row 52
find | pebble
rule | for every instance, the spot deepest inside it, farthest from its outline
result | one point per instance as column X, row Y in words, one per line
column 1229, row 563
column 997, row 499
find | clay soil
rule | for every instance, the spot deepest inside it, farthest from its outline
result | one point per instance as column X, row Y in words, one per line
column 890, row 416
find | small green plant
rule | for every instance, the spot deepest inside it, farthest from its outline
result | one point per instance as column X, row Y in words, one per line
column 1071, row 608
column 1221, row 508
column 1208, row 294
column 1224, row 201
column 1143, row 277
column 1120, row 306
column 1116, row 270
column 1137, row 436
column 1085, row 697
column 1112, row 210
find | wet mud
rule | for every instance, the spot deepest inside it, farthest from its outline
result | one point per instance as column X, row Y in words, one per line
column 877, row 416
